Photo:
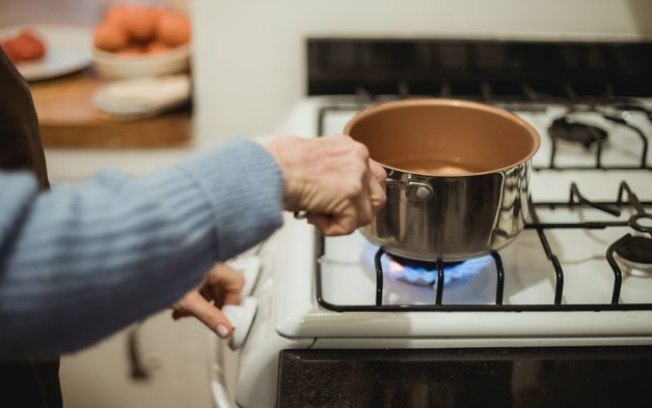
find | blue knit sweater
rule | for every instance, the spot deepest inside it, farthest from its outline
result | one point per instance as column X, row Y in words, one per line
column 77, row 264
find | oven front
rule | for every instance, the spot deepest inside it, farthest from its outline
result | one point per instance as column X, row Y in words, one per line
column 479, row 377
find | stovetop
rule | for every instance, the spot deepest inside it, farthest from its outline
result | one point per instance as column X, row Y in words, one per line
column 584, row 198
column 559, row 284
column 559, row 264
column 561, row 281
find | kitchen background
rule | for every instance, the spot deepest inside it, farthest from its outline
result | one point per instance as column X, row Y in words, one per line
column 248, row 68
column 260, row 43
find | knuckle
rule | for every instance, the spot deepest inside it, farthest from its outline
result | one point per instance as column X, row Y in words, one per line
column 361, row 151
column 355, row 188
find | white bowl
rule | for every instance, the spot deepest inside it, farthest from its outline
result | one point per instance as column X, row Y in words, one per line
column 113, row 65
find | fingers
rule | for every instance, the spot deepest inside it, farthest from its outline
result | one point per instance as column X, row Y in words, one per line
column 365, row 194
column 367, row 200
column 194, row 304
column 377, row 179
column 224, row 284
column 378, row 171
column 373, row 196
column 333, row 226
column 331, row 178
column 358, row 213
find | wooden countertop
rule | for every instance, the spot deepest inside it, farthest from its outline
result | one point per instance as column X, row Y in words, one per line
column 64, row 105
column 68, row 118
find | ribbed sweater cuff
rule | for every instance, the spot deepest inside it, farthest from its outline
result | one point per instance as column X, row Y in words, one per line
column 244, row 186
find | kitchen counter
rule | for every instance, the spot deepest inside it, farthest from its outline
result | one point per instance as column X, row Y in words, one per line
column 68, row 118
column 79, row 140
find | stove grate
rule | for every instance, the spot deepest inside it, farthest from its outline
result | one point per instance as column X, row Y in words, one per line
column 626, row 198
column 609, row 108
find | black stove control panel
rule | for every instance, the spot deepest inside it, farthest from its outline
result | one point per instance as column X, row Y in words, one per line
column 478, row 68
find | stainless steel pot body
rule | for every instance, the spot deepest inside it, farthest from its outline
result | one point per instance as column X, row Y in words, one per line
column 446, row 198
column 450, row 218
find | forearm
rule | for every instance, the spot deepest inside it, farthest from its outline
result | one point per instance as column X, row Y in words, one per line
column 86, row 262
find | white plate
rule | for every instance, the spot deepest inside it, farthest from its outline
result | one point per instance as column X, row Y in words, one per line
column 68, row 49
column 136, row 98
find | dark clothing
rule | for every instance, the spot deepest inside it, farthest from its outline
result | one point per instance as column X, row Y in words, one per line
column 23, row 383
column 20, row 140
column 27, row 384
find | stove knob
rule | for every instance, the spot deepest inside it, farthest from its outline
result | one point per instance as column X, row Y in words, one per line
column 250, row 269
column 241, row 317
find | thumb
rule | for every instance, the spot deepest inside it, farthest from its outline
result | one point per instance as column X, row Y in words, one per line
column 330, row 225
column 207, row 313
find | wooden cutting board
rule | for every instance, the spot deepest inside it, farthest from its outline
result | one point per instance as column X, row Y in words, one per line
column 68, row 118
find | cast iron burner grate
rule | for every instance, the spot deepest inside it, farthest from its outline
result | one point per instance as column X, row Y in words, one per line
column 613, row 110
column 568, row 130
column 636, row 248
column 577, row 133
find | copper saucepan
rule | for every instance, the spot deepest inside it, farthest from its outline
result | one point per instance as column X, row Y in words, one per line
column 457, row 176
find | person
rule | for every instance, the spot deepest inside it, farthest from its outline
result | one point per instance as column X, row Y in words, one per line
column 79, row 263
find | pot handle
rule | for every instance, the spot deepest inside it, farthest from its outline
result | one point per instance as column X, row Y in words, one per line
column 414, row 190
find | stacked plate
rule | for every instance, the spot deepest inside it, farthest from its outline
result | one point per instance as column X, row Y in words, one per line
column 137, row 98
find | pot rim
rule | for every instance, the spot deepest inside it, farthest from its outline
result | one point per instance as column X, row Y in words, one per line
column 384, row 106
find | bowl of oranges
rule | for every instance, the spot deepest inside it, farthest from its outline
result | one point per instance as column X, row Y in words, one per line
column 135, row 40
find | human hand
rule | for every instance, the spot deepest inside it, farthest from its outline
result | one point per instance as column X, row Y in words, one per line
column 222, row 286
column 332, row 178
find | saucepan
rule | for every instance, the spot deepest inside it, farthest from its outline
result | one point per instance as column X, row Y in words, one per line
column 457, row 176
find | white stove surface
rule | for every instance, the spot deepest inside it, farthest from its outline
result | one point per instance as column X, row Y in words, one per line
column 348, row 272
column 290, row 316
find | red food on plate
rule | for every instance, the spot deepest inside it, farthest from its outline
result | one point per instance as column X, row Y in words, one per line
column 26, row 46
column 9, row 48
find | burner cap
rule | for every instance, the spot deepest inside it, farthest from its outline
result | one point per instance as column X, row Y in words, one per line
column 636, row 250
column 574, row 132
column 415, row 263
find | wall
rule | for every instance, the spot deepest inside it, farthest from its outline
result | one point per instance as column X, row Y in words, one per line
column 249, row 54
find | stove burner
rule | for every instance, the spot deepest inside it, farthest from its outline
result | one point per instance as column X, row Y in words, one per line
column 635, row 251
column 422, row 273
column 416, row 272
column 579, row 133
column 642, row 222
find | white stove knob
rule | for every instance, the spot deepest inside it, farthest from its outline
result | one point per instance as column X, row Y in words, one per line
column 241, row 317
column 250, row 269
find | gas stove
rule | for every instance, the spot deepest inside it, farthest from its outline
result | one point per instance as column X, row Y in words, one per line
column 566, row 306
column 588, row 233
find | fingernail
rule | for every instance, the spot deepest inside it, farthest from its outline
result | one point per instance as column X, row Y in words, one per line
column 222, row 331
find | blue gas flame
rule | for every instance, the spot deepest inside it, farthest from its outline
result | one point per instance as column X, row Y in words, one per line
column 425, row 273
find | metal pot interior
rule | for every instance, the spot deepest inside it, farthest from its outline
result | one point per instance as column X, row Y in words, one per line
column 443, row 137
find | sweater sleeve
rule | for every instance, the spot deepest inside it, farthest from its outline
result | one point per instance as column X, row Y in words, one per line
column 77, row 264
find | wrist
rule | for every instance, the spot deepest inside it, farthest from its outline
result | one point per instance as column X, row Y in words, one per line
column 285, row 151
